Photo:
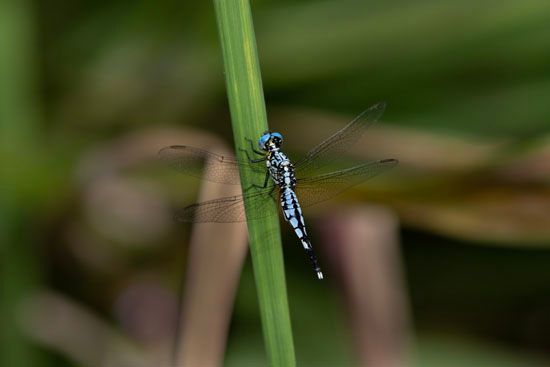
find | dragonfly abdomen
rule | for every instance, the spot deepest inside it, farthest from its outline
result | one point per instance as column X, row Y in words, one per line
column 293, row 215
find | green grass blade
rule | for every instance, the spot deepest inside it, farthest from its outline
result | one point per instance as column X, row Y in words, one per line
column 246, row 102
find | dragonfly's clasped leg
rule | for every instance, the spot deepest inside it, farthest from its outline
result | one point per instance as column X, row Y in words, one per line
column 255, row 186
column 250, row 159
column 252, row 148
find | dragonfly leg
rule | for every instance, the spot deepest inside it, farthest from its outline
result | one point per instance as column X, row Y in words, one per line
column 251, row 142
column 255, row 186
column 252, row 160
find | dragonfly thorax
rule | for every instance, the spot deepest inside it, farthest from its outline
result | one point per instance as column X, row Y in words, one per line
column 281, row 169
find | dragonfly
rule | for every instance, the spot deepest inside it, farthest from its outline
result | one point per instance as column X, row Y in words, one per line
column 294, row 186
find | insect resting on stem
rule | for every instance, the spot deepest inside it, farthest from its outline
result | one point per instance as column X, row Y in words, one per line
column 295, row 186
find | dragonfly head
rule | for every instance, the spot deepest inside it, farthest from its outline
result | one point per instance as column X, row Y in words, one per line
column 270, row 140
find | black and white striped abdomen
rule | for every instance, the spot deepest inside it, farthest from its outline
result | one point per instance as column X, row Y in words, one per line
column 293, row 215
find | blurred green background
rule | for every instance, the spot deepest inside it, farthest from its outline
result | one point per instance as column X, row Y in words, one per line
column 90, row 90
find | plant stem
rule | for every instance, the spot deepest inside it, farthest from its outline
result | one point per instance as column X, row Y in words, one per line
column 246, row 102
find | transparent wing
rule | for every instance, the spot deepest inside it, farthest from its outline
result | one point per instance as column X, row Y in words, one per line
column 229, row 209
column 333, row 147
column 320, row 188
column 310, row 191
column 206, row 165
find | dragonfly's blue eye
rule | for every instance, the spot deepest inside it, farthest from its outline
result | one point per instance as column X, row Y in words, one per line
column 263, row 140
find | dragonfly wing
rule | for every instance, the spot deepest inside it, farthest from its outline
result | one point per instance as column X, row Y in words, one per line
column 339, row 142
column 320, row 188
column 206, row 165
column 229, row 209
